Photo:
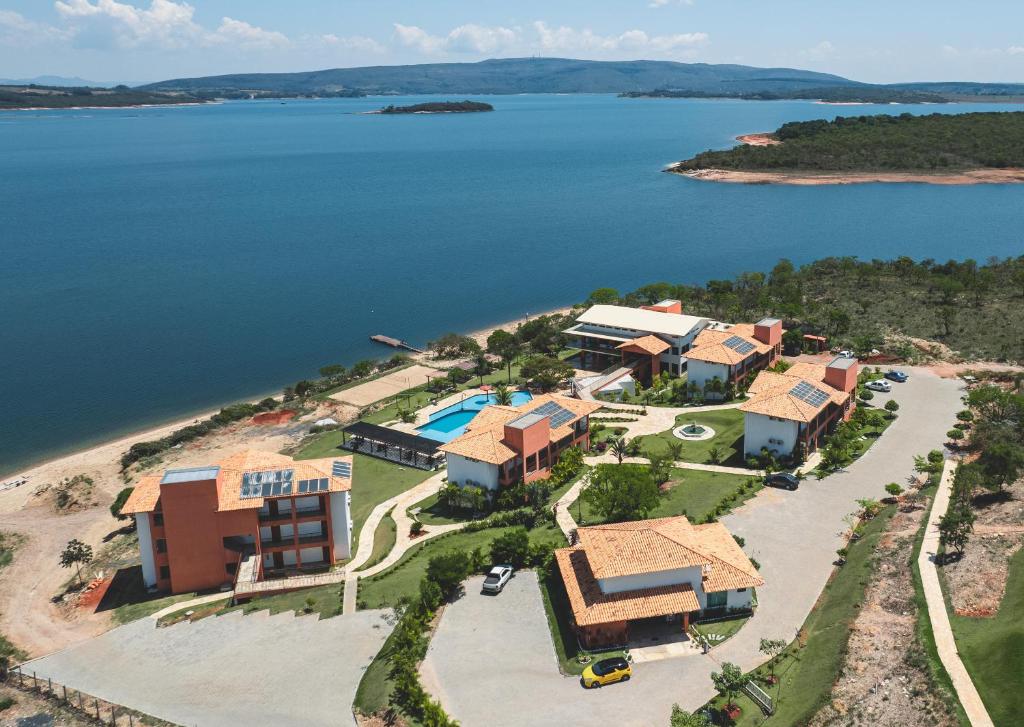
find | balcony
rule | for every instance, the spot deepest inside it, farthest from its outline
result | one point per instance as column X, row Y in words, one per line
column 312, row 538
column 301, row 512
column 275, row 517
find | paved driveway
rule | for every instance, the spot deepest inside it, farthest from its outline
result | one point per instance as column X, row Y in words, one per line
column 491, row 661
column 228, row 670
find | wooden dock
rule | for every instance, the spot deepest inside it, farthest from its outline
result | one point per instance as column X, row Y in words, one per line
column 395, row 343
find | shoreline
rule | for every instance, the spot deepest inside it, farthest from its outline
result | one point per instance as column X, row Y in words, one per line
column 732, row 176
column 109, row 450
column 105, row 108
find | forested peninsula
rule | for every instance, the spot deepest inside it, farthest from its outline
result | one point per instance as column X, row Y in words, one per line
column 935, row 148
column 56, row 97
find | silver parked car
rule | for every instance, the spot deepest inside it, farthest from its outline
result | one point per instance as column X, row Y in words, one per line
column 497, row 578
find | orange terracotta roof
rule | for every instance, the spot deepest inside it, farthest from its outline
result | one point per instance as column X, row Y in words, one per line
column 485, row 434
column 229, row 480
column 649, row 546
column 144, row 496
column 709, row 345
column 646, row 344
column 590, row 606
column 770, row 393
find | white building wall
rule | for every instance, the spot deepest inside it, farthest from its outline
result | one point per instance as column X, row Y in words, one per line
column 700, row 372
column 672, row 577
column 341, row 524
column 467, row 471
column 740, row 599
column 146, row 549
column 759, row 430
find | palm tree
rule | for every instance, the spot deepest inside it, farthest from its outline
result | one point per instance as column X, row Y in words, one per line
column 502, row 395
column 481, row 366
column 619, row 447
column 676, row 450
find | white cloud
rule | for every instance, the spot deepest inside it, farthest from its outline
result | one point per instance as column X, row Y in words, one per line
column 1015, row 50
column 469, row 38
column 824, row 49
column 663, row 3
column 165, row 24
column 353, row 42
column 239, row 32
column 566, row 40
column 17, row 30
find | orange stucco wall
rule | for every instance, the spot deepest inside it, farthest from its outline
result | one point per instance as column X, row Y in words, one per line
column 673, row 306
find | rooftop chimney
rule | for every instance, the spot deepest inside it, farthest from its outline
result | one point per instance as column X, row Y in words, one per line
column 841, row 374
column 768, row 330
column 668, row 305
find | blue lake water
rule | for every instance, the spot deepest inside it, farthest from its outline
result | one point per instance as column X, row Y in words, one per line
column 450, row 422
column 157, row 262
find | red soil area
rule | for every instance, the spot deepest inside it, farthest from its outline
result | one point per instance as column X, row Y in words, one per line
column 274, row 417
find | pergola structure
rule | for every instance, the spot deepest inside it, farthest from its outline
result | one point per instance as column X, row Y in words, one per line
column 391, row 444
column 643, row 355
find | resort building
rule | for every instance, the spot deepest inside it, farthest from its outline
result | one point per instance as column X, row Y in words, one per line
column 503, row 445
column 646, row 340
column 251, row 517
column 620, row 575
column 798, row 407
column 732, row 353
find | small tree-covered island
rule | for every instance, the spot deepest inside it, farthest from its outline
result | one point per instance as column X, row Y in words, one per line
column 937, row 149
column 438, row 107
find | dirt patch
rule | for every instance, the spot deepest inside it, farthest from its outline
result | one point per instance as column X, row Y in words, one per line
column 387, row 385
column 761, row 139
column 977, row 582
column 71, row 494
column 885, row 679
column 32, row 709
column 274, row 417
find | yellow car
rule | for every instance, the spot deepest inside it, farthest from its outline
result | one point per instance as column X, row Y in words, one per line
column 607, row 671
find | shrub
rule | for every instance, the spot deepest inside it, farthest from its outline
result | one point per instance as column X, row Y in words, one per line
column 512, row 547
column 894, row 489
column 416, row 528
column 955, row 435
column 448, row 570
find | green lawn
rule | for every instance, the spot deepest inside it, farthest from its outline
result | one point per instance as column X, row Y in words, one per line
column 432, row 512
column 373, row 480
column 384, row 540
column 728, row 426
column 133, row 611
column 695, row 494
column 992, row 649
column 726, row 629
column 402, row 580
column 327, row 602
column 807, row 673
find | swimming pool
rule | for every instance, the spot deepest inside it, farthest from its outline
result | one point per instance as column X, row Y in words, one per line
column 448, row 423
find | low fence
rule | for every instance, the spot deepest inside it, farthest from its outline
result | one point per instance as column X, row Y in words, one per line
column 87, row 705
column 760, row 697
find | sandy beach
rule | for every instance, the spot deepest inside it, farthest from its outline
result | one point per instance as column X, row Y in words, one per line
column 763, row 138
column 976, row 176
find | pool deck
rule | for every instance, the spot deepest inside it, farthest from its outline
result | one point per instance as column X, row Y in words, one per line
column 423, row 415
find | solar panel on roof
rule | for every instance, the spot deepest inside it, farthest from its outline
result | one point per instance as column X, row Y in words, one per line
column 810, row 394
column 559, row 416
column 340, row 468
column 738, row 344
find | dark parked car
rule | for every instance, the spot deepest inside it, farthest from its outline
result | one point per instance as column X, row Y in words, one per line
column 782, row 479
column 897, row 376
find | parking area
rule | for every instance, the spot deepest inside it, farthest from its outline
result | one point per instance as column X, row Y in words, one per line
column 228, row 670
column 492, row 661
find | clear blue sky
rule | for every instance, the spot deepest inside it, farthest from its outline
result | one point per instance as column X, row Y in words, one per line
column 869, row 40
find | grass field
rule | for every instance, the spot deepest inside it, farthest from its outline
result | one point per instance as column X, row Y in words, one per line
column 403, row 579
column 694, row 494
column 726, row 629
column 728, row 426
column 384, row 540
column 806, row 673
column 992, row 649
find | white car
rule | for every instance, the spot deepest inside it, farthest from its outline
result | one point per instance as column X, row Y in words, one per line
column 879, row 385
column 497, row 578
column 845, row 353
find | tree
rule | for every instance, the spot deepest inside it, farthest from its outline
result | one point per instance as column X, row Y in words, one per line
column 546, row 372
column 682, row 718
column 603, row 296
column 502, row 395
column 956, row 526
column 76, row 553
column 569, row 463
column 332, row 370
column 506, row 346
column 619, row 447
column 892, row 406
column 453, row 345
column 729, row 681
column 119, row 501
column 448, row 570
column 894, row 489
column 622, row 491
column 1001, row 462
column 772, row 648
column 512, row 547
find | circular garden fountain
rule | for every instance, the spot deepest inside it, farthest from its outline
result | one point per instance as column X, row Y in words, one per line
column 694, row 432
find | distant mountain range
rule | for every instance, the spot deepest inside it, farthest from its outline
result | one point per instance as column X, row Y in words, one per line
column 65, row 81
column 560, row 75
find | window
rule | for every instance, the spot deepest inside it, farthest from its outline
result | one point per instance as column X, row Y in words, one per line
column 675, row 350
column 741, row 590
column 161, row 545
column 158, row 519
column 717, row 600
column 231, row 568
column 165, row 572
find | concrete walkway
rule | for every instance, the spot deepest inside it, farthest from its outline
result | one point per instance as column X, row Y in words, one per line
column 943, row 633
column 200, row 601
column 403, row 542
